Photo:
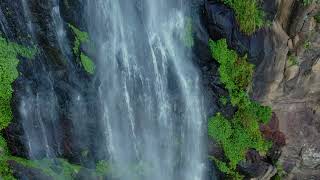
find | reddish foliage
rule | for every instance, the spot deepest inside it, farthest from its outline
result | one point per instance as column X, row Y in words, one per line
column 271, row 131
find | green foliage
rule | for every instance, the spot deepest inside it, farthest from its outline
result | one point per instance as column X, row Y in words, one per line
column 103, row 168
column 58, row 169
column 82, row 37
column 9, row 53
column 223, row 167
column 219, row 128
column 3, row 147
column 307, row 45
column 292, row 60
column 280, row 172
column 248, row 14
column 309, row 2
column 187, row 37
column 87, row 63
column 223, row 100
column 240, row 133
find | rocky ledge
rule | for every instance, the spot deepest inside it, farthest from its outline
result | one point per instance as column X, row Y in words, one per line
column 287, row 78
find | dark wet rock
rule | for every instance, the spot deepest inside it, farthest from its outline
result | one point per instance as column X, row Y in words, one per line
column 255, row 167
column 25, row 173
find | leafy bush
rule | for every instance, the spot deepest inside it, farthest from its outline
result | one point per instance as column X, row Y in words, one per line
column 223, row 100
column 248, row 14
column 82, row 37
column 308, row 2
column 9, row 53
column 223, row 167
column 240, row 133
column 87, row 63
column 103, row 168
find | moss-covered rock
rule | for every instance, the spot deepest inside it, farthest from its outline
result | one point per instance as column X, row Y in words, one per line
column 81, row 37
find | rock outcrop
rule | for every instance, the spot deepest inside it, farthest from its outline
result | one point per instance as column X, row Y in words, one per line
column 287, row 77
column 289, row 81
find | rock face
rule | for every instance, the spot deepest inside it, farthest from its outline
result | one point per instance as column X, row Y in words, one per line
column 288, row 80
column 287, row 77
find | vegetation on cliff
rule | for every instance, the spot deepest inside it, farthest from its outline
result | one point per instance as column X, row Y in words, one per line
column 82, row 37
column 248, row 13
column 9, row 53
column 240, row 133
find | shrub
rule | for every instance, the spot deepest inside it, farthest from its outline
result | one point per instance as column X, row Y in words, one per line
column 248, row 14
column 223, row 100
column 9, row 53
column 87, row 63
column 240, row 133
column 82, row 37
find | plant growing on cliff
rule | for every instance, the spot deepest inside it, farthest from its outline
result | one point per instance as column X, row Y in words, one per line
column 292, row 60
column 82, row 37
column 9, row 53
column 240, row 133
column 248, row 14
column 308, row 2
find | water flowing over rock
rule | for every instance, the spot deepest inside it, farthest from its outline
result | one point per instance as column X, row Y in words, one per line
column 143, row 110
column 149, row 89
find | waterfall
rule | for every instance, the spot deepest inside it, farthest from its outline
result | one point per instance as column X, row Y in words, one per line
column 143, row 109
column 150, row 91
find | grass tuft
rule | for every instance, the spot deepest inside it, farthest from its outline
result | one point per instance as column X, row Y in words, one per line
column 248, row 14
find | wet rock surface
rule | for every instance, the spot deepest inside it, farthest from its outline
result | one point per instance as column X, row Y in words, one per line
column 51, row 82
column 22, row 172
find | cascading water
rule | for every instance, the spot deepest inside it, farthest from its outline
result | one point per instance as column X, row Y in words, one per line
column 143, row 110
column 153, row 113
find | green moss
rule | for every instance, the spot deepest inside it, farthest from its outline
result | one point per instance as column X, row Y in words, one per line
column 240, row 133
column 223, row 100
column 9, row 53
column 293, row 60
column 187, row 37
column 248, row 14
column 223, row 167
column 58, row 169
column 82, row 37
column 103, row 168
column 307, row 44
column 309, row 2
column 87, row 63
